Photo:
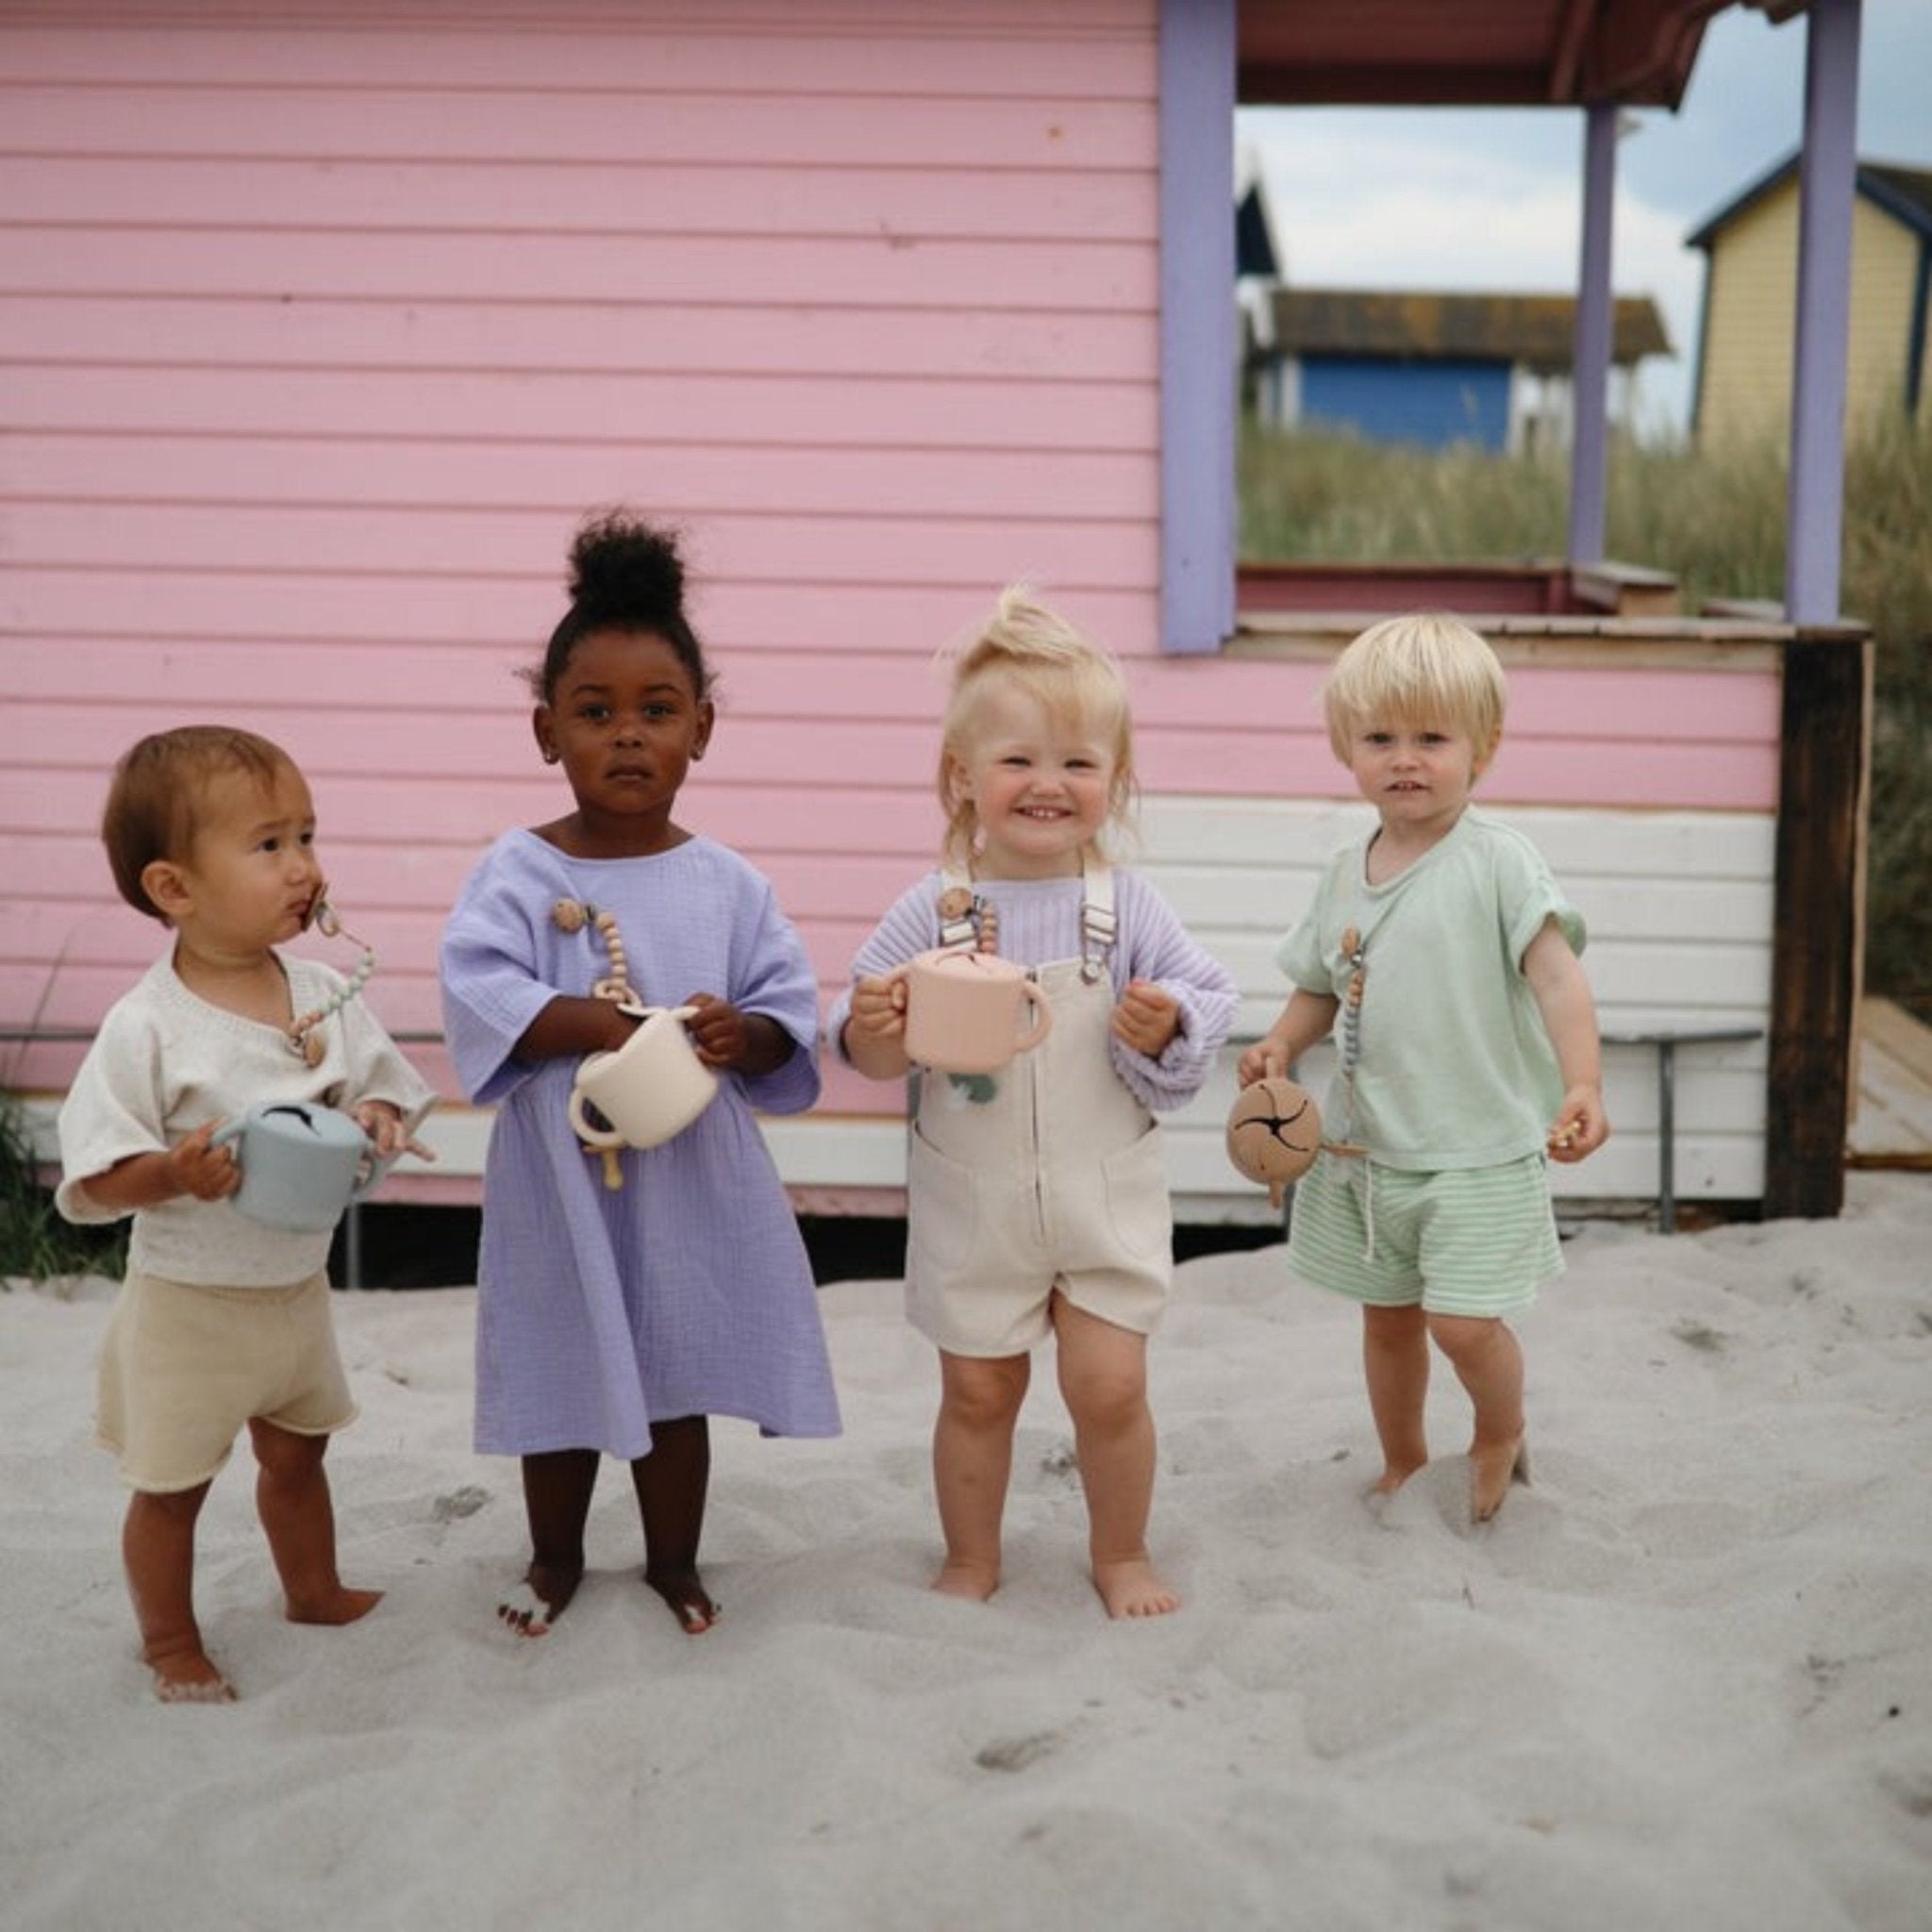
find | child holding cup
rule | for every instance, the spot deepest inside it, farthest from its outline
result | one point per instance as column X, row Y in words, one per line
column 223, row 1319
column 640, row 1272
column 1037, row 1198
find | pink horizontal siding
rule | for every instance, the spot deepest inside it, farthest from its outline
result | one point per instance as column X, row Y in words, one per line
column 447, row 410
column 977, row 340
column 324, row 325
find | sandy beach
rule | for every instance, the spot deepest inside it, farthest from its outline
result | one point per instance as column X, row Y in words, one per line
column 1683, row 1680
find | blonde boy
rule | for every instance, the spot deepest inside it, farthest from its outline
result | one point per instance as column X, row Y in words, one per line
column 1444, row 956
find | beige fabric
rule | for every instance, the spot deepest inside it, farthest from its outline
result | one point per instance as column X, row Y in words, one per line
column 1053, row 1180
column 183, row 1368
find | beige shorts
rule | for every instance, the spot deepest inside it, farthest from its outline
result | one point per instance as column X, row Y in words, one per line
column 184, row 1368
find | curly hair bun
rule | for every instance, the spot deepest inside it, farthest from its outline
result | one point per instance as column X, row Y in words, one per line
column 624, row 569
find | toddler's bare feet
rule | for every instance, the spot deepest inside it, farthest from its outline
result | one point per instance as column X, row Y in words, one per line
column 1493, row 1467
column 975, row 1582
column 1129, row 1586
column 539, row 1600
column 340, row 1605
column 187, row 1676
column 690, row 1603
column 1392, row 1479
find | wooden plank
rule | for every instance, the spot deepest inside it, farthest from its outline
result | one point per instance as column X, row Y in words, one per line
column 862, row 272
column 1886, row 1028
column 777, row 129
column 550, row 405
column 924, row 53
column 1813, row 1003
column 294, row 473
column 483, row 193
column 1892, row 1126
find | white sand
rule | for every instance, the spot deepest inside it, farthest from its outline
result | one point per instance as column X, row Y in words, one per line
column 1684, row 1681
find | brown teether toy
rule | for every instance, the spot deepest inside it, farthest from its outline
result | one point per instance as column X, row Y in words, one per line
column 1274, row 1133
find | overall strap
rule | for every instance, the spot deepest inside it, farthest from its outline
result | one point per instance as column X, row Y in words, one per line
column 1098, row 927
column 966, row 922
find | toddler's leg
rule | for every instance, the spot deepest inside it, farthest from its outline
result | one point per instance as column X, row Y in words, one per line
column 1103, row 1371
column 158, row 1548
column 971, row 1462
column 293, row 1499
column 1396, row 1363
column 672, row 1483
column 1488, row 1361
column 558, row 1486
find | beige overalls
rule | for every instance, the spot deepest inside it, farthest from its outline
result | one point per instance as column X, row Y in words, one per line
column 1047, row 1175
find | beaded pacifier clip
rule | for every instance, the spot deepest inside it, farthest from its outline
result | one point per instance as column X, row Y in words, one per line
column 305, row 1040
column 574, row 915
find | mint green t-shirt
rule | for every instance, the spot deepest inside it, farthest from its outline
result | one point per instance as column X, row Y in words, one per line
column 1454, row 1067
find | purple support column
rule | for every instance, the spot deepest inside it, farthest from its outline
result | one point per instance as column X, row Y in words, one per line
column 1591, row 357
column 1814, row 531
column 1199, row 388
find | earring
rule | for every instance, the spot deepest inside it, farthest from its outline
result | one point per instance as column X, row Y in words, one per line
column 549, row 755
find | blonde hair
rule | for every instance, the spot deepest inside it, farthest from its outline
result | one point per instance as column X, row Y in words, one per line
column 1023, row 646
column 1425, row 668
column 158, row 796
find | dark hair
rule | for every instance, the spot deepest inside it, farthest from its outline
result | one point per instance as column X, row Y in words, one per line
column 624, row 575
column 158, row 791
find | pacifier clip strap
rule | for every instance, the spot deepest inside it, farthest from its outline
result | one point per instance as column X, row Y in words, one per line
column 573, row 916
column 967, row 923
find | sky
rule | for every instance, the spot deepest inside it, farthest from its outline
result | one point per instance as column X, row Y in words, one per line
column 1444, row 199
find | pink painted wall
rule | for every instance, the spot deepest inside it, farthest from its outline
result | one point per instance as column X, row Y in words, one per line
column 321, row 333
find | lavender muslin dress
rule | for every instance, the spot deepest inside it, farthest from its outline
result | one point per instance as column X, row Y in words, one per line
column 688, row 1290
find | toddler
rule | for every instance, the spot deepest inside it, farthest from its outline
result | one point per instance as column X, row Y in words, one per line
column 1468, row 1050
column 616, row 1319
column 1036, row 1196
column 221, row 1321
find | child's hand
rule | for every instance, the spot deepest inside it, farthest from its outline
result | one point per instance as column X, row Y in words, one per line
column 878, row 1011
column 1264, row 1061
column 195, row 1166
column 383, row 1124
column 717, row 1029
column 1581, row 1125
column 1146, row 1018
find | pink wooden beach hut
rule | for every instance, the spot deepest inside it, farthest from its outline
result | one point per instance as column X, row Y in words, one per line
column 324, row 324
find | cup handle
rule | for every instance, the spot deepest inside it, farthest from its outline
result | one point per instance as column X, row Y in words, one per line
column 591, row 1136
column 1043, row 1015
column 375, row 1167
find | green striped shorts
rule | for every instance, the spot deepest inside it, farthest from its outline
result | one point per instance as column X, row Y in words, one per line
column 1474, row 1241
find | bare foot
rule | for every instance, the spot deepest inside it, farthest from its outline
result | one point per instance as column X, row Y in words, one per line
column 187, row 1676
column 1493, row 1467
column 343, row 1606
column 1392, row 1479
column 974, row 1582
column 1129, row 1586
column 539, row 1600
column 690, row 1603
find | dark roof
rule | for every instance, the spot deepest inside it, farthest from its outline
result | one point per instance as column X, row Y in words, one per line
column 1905, row 193
column 1473, row 53
column 1538, row 331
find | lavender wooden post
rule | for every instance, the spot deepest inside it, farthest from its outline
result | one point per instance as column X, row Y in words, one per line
column 1198, row 390
column 1814, row 528
column 1590, row 358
